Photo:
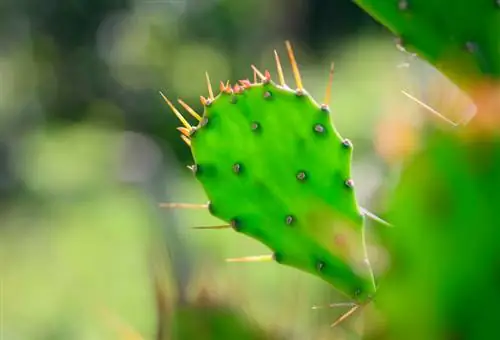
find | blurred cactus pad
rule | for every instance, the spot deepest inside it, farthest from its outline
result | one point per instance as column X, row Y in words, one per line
column 460, row 38
column 274, row 168
column 444, row 279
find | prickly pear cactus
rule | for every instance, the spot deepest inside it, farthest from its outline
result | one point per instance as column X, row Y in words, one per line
column 275, row 168
column 461, row 38
column 445, row 249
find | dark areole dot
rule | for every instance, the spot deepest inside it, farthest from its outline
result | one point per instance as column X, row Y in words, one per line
column 349, row 183
column 210, row 207
column 347, row 143
column 204, row 122
column 471, row 46
column 299, row 92
column 255, row 126
column 289, row 219
column 400, row 44
column 319, row 128
column 325, row 108
column 234, row 99
column 320, row 265
column 194, row 168
column 237, row 168
column 403, row 5
column 192, row 132
column 235, row 224
column 301, row 176
column 267, row 95
column 277, row 257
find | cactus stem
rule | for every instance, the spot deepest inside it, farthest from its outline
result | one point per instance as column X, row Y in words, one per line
column 209, row 85
column 189, row 110
column 344, row 316
column 258, row 258
column 258, row 73
column 186, row 140
column 295, row 67
column 328, row 91
column 184, row 131
column 177, row 113
column 213, row 227
column 183, row 206
column 281, row 76
column 430, row 109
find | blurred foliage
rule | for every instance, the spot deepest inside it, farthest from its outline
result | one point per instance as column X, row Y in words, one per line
column 444, row 251
column 88, row 149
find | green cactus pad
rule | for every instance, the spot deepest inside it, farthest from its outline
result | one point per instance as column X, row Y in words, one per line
column 275, row 168
column 445, row 251
column 461, row 38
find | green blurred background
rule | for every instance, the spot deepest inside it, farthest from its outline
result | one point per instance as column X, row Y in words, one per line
column 88, row 149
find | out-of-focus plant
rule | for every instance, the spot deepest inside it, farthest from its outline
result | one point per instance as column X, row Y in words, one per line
column 442, row 282
column 460, row 39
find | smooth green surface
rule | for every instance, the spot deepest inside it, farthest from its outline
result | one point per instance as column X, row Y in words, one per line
column 461, row 38
column 266, row 190
column 446, row 249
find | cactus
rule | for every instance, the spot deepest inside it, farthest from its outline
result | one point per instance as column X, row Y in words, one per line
column 275, row 169
column 460, row 38
column 445, row 251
